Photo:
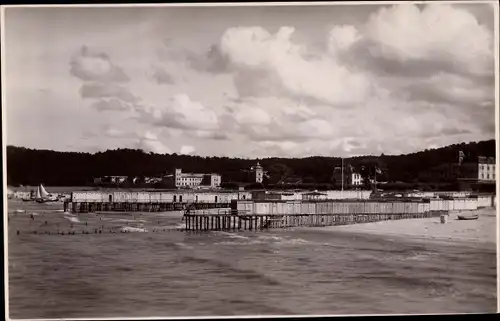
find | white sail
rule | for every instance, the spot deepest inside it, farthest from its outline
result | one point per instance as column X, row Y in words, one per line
column 38, row 194
column 43, row 192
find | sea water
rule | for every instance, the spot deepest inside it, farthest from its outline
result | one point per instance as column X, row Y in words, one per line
column 170, row 272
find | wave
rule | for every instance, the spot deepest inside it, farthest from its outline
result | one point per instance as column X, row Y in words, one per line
column 251, row 242
column 264, row 239
column 420, row 256
column 73, row 219
column 124, row 220
column 178, row 226
column 183, row 245
column 270, row 237
column 134, row 229
column 293, row 241
column 229, row 270
column 232, row 235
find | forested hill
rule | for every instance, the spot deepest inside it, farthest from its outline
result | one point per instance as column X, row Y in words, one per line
column 31, row 167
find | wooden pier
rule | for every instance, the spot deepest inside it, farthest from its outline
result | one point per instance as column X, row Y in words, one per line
column 231, row 221
column 89, row 207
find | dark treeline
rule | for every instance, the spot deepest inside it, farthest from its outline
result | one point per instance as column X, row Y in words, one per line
column 30, row 167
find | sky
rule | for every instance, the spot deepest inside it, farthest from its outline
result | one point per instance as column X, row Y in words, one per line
column 252, row 81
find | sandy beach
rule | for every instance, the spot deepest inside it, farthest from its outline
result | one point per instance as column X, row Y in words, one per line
column 482, row 230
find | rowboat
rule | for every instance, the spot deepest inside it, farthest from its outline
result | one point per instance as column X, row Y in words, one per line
column 469, row 217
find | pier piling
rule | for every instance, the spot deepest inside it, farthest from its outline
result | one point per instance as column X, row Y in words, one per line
column 226, row 222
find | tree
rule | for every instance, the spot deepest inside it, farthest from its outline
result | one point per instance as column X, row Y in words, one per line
column 30, row 167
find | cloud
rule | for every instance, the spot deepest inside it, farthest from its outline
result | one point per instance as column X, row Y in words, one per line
column 111, row 104
column 89, row 65
column 341, row 38
column 277, row 120
column 210, row 61
column 162, row 77
column 405, row 39
column 213, row 61
column 252, row 116
column 116, row 133
column 181, row 113
column 113, row 136
column 207, row 134
column 298, row 113
column 149, row 142
column 277, row 149
column 405, row 77
column 274, row 61
column 187, row 150
column 98, row 90
column 448, row 88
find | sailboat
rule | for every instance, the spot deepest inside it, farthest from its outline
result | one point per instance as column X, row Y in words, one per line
column 42, row 196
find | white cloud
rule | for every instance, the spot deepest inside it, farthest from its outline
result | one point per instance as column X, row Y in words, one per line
column 439, row 32
column 187, row 150
column 271, row 58
column 90, row 65
column 252, row 116
column 149, row 142
column 182, row 113
column 111, row 104
column 341, row 38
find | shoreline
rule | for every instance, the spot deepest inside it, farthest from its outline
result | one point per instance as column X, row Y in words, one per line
column 481, row 232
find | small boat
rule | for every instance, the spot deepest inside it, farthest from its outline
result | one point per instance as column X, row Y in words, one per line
column 468, row 217
column 42, row 196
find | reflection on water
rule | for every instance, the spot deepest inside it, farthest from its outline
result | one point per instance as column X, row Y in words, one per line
column 279, row 272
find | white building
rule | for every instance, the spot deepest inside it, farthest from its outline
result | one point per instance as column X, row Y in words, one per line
column 356, row 179
column 348, row 175
column 486, row 169
column 258, row 172
column 213, row 180
column 192, row 180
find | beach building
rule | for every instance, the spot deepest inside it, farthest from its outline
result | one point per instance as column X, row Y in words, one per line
column 314, row 196
column 275, row 195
